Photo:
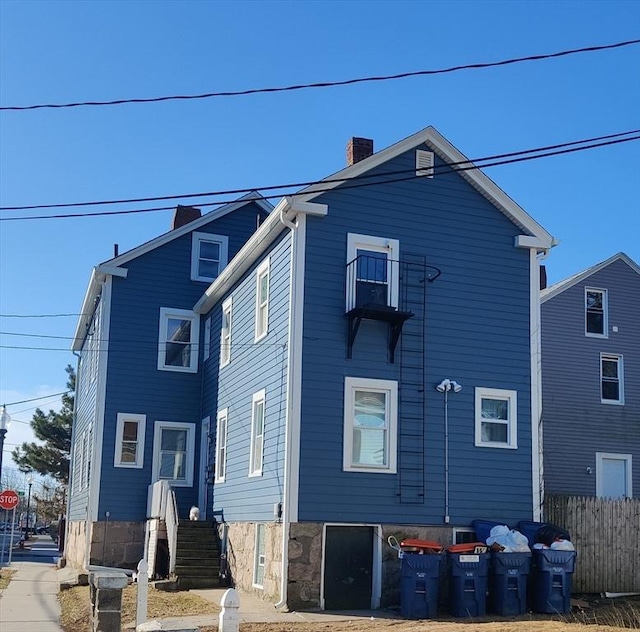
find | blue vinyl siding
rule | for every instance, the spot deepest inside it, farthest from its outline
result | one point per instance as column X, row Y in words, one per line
column 86, row 403
column 576, row 424
column 254, row 366
column 159, row 278
column 477, row 332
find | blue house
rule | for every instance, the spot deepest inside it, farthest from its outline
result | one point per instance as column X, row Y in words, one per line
column 369, row 367
column 139, row 383
column 591, row 381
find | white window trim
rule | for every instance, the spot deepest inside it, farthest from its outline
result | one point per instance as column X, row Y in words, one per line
column 165, row 314
column 225, row 346
column 619, row 358
column 512, row 428
column 157, row 433
column 391, row 247
column 196, row 240
column 141, row 421
column 258, row 397
column 263, row 269
column 207, row 339
column 605, row 312
column 221, row 440
column 390, row 387
column 256, row 555
column 600, row 456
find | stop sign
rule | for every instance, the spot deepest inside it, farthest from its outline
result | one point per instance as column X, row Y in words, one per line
column 8, row 499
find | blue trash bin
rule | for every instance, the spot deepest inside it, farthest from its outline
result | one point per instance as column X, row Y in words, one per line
column 419, row 585
column 468, row 584
column 530, row 529
column 483, row 528
column 508, row 575
column 551, row 577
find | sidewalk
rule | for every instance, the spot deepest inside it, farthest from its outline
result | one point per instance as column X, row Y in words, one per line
column 30, row 602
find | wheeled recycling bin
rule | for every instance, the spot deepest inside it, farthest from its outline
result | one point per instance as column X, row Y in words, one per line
column 468, row 584
column 419, row 585
column 551, row 577
column 508, row 575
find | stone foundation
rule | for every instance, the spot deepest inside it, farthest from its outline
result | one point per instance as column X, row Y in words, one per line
column 241, row 544
column 117, row 544
column 305, row 561
column 76, row 543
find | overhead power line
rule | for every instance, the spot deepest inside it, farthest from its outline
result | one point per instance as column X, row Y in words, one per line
column 37, row 315
column 381, row 178
column 364, row 176
column 35, row 399
column 327, row 84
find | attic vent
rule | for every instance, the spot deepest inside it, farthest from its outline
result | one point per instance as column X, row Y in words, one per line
column 424, row 163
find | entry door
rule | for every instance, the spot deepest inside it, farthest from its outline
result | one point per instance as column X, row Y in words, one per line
column 613, row 475
column 348, row 568
column 205, row 446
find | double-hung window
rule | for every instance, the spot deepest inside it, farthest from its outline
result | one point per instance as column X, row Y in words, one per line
column 178, row 340
column 225, row 333
column 496, row 418
column 173, row 451
column 221, row 445
column 208, row 256
column 370, row 425
column 611, row 379
column 596, row 316
column 372, row 271
column 130, row 430
column 257, row 433
column 262, row 300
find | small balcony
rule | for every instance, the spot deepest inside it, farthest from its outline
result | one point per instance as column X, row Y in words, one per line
column 372, row 293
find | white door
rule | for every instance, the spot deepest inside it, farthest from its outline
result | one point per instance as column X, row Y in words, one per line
column 205, row 444
column 613, row 475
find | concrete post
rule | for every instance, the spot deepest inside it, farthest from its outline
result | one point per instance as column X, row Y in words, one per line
column 229, row 618
column 143, row 592
column 106, row 600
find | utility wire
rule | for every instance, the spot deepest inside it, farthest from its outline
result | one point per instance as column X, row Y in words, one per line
column 35, row 399
column 327, row 84
column 290, row 185
column 37, row 315
column 465, row 167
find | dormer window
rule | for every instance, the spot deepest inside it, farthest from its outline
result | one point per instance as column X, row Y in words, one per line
column 596, row 317
column 208, row 256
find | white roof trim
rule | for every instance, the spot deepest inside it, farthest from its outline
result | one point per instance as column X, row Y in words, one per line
column 282, row 215
column 449, row 154
column 191, row 226
column 111, row 267
column 569, row 282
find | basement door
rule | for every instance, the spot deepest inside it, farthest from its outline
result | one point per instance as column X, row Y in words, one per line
column 348, row 568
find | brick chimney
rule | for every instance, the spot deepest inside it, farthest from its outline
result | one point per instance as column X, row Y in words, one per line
column 358, row 149
column 184, row 215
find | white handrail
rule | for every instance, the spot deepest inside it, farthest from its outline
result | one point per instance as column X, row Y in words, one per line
column 171, row 520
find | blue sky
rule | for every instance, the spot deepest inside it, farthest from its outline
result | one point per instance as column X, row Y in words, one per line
column 52, row 52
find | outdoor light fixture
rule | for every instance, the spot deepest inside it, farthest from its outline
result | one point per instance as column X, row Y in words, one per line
column 444, row 387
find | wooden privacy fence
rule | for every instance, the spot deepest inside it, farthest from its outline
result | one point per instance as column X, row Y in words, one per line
column 606, row 534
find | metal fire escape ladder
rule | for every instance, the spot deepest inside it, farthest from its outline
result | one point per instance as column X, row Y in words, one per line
column 411, row 405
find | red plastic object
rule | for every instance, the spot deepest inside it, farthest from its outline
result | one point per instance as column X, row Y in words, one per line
column 469, row 547
column 420, row 546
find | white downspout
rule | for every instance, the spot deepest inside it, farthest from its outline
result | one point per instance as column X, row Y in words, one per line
column 286, row 509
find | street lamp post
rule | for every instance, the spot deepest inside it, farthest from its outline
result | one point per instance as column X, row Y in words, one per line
column 5, row 422
column 30, row 483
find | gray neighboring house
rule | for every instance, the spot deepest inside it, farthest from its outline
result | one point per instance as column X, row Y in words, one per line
column 591, row 381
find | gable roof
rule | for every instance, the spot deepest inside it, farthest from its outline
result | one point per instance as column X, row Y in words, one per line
column 190, row 227
column 112, row 266
column 565, row 284
column 449, row 154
